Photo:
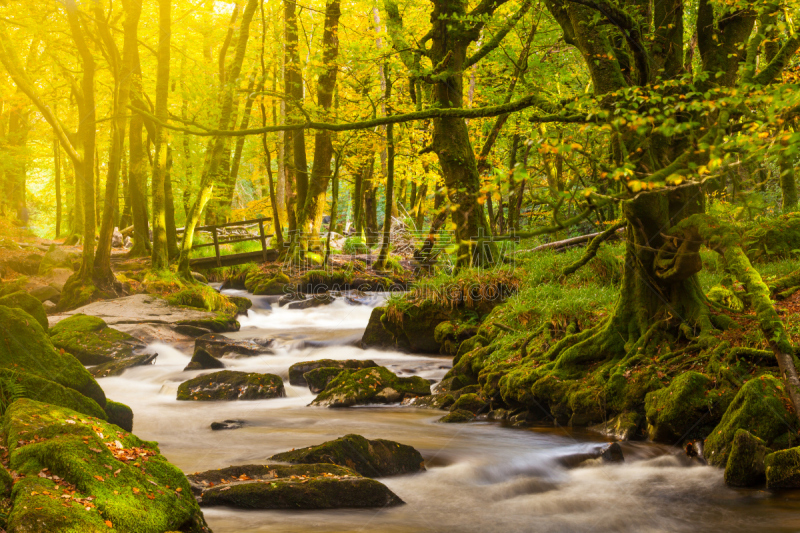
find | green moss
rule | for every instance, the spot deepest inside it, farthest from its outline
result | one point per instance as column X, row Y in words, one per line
column 26, row 347
column 140, row 492
column 91, row 341
column 457, row 417
column 325, row 280
column 760, row 407
column 231, row 385
column 6, row 482
column 725, row 297
column 745, row 466
column 119, row 414
column 371, row 458
column 364, row 386
column 46, row 391
column 298, row 370
column 687, row 408
column 29, row 304
column 783, row 469
column 319, row 378
column 469, row 402
column 77, row 292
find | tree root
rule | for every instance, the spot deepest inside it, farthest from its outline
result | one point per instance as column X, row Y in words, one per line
column 594, row 246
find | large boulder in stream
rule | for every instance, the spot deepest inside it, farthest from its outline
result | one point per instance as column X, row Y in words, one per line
column 370, row 385
column 26, row 347
column 298, row 370
column 411, row 330
column 222, row 346
column 760, row 407
column 78, row 473
column 202, row 360
column 91, row 341
column 745, row 467
column 232, row 385
column 317, row 486
column 783, row 469
column 371, row 458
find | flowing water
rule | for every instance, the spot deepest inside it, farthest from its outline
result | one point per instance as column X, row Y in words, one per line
column 480, row 476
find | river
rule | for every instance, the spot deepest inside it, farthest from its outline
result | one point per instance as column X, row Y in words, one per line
column 480, row 476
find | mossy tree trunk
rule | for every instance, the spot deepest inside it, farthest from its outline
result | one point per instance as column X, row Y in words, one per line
column 160, row 252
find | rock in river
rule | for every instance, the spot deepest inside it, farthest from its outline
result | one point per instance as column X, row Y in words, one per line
column 202, row 360
column 371, row 458
column 227, row 424
column 91, row 341
column 297, row 370
column 221, row 346
column 370, row 385
column 231, row 385
column 318, row 486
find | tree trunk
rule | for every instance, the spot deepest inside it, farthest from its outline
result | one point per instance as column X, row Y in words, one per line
column 293, row 83
column 383, row 255
column 57, row 164
column 160, row 251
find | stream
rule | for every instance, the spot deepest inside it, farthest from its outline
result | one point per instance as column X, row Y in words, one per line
column 480, row 476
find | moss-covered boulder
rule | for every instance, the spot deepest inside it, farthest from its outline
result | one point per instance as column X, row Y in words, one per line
column 319, row 378
column 18, row 384
column 745, row 466
column 83, row 474
column 442, row 400
column 91, row 341
column 202, row 360
column 413, row 327
column 298, row 370
column 371, row 458
column 264, row 284
column 473, row 403
column 119, row 414
column 24, row 346
column 322, row 486
column 457, row 417
column 118, row 366
column 783, row 469
column 222, row 346
column 375, row 335
column 761, row 407
column 451, row 333
column 29, row 304
column 357, row 387
column 688, row 407
column 232, row 385
column 242, row 304
column 56, row 258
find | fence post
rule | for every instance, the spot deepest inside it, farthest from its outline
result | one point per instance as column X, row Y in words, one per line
column 263, row 240
column 216, row 246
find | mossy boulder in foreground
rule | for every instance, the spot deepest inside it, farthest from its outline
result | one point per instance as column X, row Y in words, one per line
column 761, row 407
column 24, row 346
column 29, row 304
column 371, row 458
column 25, row 385
column 783, row 469
column 745, row 467
column 91, row 341
column 231, row 385
column 82, row 474
column 298, row 370
column 319, row 486
column 120, row 415
column 370, row 385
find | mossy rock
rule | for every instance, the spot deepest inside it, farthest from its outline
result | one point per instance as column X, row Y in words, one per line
column 457, row 417
column 26, row 347
column 365, row 386
column 91, row 341
column 450, row 334
column 231, row 385
column 200, row 481
column 242, row 304
column 414, row 327
column 29, row 304
column 371, row 458
column 469, row 402
column 685, row 409
column 118, row 367
column 624, row 426
column 43, row 390
column 119, row 414
column 55, row 258
column 726, row 297
column 760, row 407
column 375, row 335
column 271, row 288
column 298, row 370
column 221, row 323
column 6, row 482
column 202, row 360
column 434, row 401
column 140, row 493
column 745, row 466
column 783, row 469
column 319, row 378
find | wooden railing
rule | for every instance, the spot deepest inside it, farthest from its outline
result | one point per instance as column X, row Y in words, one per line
column 215, row 233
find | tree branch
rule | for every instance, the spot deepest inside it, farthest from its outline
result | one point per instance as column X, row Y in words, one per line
column 499, row 36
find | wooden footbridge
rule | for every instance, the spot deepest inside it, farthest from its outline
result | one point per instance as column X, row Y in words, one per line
column 222, row 234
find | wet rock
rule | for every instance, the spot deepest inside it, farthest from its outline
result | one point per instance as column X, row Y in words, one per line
column 298, row 370
column 29, row 304
column 202, row 360
column 191, row 331
column 314, row 301
column 358, row 387
column 356, row 297
column 497, row 414
column 119, row 366
column 371, row 458
column 457, row 417
column 221, row 346
column 319, row 378
column 612, row 453
column 231, row 385
column 25, row 347
column 291, row 297
column 128, row 479
column 434, row 401
column 45, row 292
column 783, row 469
column 242, row 304
column 760, row 408
column 227, row 424
column 322, row 486
column 608, row 453
column 91, row 341
column 119, row 414
column 622, row 427
column 745, row 466
column 470, row 402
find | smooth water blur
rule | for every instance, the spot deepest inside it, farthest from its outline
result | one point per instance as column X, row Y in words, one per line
column 481, row 476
